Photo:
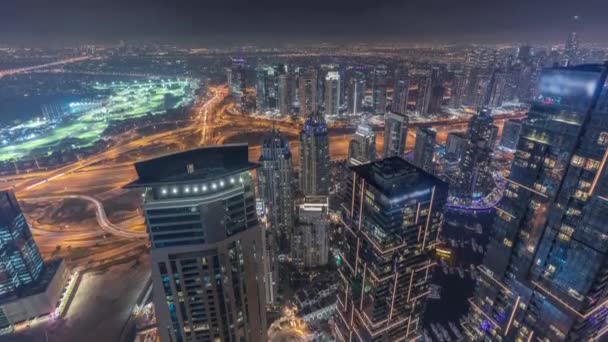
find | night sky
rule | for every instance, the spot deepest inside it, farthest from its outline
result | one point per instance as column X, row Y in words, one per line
column 279, row 21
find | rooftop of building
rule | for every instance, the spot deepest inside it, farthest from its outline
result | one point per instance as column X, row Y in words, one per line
column 396, row 176
column 199, row 164
column 39, row 286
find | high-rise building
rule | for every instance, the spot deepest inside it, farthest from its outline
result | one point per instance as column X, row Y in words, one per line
column 314, row 156
column 21, row 262
column 265, row 89
column 29, row 288
column 544, row 275
column 379, row 89
column 482, row 127
column 392, row 218
column 496, row 92
column 424, row 84
column 275, row 182
column 436, row 100
column 455, row 146
column 310, row 244
column 400, row 96
column 236, row 77
column 307, row 91
column 424, row 149
column 362, row 147
column 571, row 49
column 510, row 134
column 275, row 187
column 395, row 134
column 458, row 89
column 474, row 179
column 207, row 246
column 332, row 93
column 355, row 93
column 284, row 94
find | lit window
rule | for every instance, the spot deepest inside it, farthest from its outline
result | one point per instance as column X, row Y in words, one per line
column 577, row 161
column 592, row 165
column 602, row 139
column 174, row 190
column 164, row 191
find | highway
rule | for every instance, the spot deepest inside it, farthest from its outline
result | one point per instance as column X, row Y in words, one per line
column 9, row 72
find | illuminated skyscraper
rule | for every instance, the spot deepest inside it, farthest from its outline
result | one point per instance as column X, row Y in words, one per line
column 275, row 182
column 379, row 89
column 400, row 96
column 29, row 288
column 307, row 91
column 207, row 247
column 395, row 134
column 544, row 275
column 265, row 89
column 314, row 156
column 355, row 93
column 424, row 149
column 284, row 94
column 424, row 83
column 332, row 93
column 362, row 147
column 482, row 126
column 393, row 213
column 21, row 262
column 571, row 49
column 310, row 244
column 458, row 89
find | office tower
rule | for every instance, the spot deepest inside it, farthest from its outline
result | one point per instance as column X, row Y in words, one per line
column 307, row 91
column 236, row 77
column 400, row 96
column 458, row 89
column 362, row 147
column 571, row 49
column 510, row 134
column 455, row 146
column 379, row 89
column 207, row 247
column 356, row 93
column 497, row 88
column 275, row 182
column 424, row 84
column 474, row 179
column 284, row 94
column 544, row 275
column 332, row 93
column 29, row 287
column 310, row 247
column 481, row 127
column 314, row 157
column 393, row 213
column 395, row 134
column 424, row 149
column 21, row 263
column 436, row 100
column 480, row 84
column 262, row 91
column 275, row 186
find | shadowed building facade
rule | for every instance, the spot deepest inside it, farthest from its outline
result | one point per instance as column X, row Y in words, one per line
column 544, row 276
column 207, row 247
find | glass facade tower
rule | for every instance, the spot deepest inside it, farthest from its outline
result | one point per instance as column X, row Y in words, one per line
column 545, row 274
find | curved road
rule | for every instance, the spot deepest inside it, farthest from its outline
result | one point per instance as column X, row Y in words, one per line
column 102, row 218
